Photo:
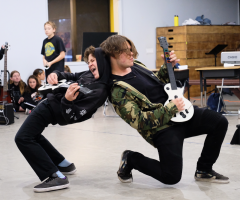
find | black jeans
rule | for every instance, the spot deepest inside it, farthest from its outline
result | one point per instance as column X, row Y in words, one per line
column 37, row 150
column 169, row 143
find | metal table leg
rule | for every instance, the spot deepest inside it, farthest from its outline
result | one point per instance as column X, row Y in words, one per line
column 201, row 88
column 205, row 92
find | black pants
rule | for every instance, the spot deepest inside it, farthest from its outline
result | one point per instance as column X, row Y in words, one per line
column 37, row 150
column 169, row 143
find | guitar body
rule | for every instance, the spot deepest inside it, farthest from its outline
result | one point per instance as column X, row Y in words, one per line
column 56, row 88
column 171, row 88
column 5, row 96
column 184, row 115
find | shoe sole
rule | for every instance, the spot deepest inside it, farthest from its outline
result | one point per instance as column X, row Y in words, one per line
column 127, row 180
column 70, row 173
column 51, row 188
column 211, row 180
column 130, row 180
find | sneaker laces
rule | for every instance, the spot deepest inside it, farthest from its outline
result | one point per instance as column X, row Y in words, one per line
column 215, row 173
column 50, row 179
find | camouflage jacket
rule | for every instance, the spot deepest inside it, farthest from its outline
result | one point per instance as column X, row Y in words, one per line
column 137, row 110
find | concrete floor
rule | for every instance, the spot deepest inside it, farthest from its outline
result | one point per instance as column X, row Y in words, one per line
column 95, row 147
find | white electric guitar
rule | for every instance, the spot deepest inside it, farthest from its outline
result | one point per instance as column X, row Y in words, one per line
column 61, row 87
column 172, row 90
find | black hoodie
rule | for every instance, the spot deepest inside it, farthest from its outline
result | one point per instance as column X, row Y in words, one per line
column 28, row 96
column 85, row 105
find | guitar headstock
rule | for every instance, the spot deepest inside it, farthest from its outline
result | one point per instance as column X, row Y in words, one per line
column 6, row 47
column 163, row 42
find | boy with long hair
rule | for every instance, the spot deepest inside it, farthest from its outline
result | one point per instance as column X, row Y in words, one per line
column 138, row 97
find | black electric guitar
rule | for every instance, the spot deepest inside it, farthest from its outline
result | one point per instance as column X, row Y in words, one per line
column 61, row 87
column 5, row 95
column 171, row 88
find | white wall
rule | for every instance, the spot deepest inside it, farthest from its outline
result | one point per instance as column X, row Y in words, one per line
column 139, row 19
column 21, row 25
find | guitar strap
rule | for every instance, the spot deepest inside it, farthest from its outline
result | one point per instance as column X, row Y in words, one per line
column 147, row 73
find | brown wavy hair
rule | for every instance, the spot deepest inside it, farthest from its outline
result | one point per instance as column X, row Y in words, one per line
column 21, row 83
column 87, row 52
column 67, row 68
column 28, row 89
column 116, row 45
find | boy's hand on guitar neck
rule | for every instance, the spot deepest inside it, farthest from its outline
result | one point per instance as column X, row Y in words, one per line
column 52, row 78
column 173, row 58
column 72, row 93
column 179, row 103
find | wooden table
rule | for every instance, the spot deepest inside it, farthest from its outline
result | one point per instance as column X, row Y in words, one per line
column 216, row 72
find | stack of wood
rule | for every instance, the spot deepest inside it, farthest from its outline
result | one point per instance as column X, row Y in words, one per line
column 191, row 42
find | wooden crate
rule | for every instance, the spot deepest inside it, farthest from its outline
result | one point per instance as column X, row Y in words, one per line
column 171, row 30
column 189, row 54
column 195, row 62
column 190, row 44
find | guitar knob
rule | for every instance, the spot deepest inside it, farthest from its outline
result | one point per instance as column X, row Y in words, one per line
column 167, row 88
column 182, row 114
column 175, row 96
column 186, row 111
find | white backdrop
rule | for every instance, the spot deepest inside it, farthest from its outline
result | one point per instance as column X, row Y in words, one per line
column 139, row 19
column 22, row 27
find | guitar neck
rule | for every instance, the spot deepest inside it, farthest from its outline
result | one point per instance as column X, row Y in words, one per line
column 5, row 86
column 170, row 69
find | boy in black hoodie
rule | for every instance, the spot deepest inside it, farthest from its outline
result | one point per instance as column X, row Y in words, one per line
column 62, row 109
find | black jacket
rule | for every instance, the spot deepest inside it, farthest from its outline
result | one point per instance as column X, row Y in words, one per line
column 28, row 96
column 15, row 92
column 84, row 106
column 1, row 53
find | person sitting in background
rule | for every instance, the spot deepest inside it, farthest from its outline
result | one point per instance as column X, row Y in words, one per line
column 18, row 88
column 31, row 94
column 1, row 52
column 67, row 69
column 40, row 74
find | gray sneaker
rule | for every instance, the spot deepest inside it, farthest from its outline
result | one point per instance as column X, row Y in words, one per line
column 52, row 183
column 71, row 169
column 212, row 177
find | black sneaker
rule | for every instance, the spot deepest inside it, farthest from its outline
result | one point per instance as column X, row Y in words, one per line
column 71, row 169
column 124, row 173
column 212, row 177
column 52, row 183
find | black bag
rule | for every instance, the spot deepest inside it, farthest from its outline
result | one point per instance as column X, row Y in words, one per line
column 213, row 101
